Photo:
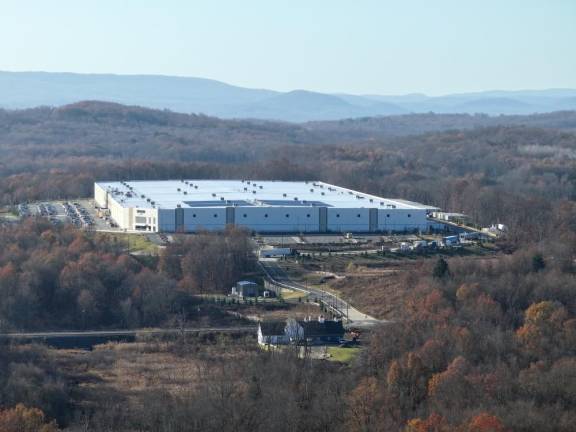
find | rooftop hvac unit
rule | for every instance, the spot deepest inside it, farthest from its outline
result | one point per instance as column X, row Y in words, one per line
column 245, row 189
column 253, row 191
column 261, row 187
column 311, row 190
column 185, row 193
column 178, row 206
column 142, row 196
column 195, row 186
column 295, row 198
column 214, row 195
column 284, row 195
column 322, row 193
column 221, row 198
column 179, row 190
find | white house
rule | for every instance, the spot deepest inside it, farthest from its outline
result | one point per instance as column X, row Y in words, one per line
column 309, row 331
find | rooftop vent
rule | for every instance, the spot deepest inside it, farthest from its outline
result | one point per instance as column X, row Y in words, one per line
column 284, row 195
column 179, row 190
column 261, row 187
column 195, row 186
column 213, row 194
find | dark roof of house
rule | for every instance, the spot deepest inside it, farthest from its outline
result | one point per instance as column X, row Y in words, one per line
column 273, row 328
column 326, row 328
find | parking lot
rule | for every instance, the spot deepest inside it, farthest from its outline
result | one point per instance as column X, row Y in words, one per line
column 80, row 213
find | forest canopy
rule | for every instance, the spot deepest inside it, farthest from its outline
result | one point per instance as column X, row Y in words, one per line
column 481, row 345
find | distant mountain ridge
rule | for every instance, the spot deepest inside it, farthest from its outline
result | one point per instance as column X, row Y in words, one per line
column 204, row 96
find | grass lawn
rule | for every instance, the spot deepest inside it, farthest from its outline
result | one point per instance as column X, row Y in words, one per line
column 343, row 355
column 135, row 242
column 292, row 294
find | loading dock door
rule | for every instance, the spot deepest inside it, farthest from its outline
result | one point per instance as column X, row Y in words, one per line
column 179, row 222
column 373, row 219
column 230, row 216
column 322, row 219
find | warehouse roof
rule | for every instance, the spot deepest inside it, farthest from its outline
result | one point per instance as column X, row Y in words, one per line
column 245, row 193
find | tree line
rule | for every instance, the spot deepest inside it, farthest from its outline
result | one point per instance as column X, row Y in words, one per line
column 62, row 278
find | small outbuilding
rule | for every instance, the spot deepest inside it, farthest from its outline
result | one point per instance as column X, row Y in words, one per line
column 275, row 252
column 322, row 331
column 246, row 289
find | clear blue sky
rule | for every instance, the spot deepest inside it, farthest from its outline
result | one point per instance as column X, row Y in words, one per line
column 362, row 46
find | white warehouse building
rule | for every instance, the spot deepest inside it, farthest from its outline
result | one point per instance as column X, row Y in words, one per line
column 260, row 206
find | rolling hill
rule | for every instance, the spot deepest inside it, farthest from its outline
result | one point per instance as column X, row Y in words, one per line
column 20, row 90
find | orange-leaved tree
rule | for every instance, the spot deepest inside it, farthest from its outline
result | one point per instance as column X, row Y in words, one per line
column 23, row 419
column 485, row 422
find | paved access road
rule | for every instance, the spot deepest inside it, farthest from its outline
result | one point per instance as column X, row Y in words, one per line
column 279, row 277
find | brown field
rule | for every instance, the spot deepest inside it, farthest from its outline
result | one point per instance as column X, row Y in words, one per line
column 292, row 310
column 375, row 284
column 128, row 372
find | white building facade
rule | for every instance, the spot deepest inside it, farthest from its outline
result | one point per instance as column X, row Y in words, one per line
column 260, row 206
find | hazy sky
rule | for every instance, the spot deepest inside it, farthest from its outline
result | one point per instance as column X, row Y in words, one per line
column 362, row 46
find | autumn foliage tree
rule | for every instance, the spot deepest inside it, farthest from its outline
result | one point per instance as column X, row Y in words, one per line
column 23, row 419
